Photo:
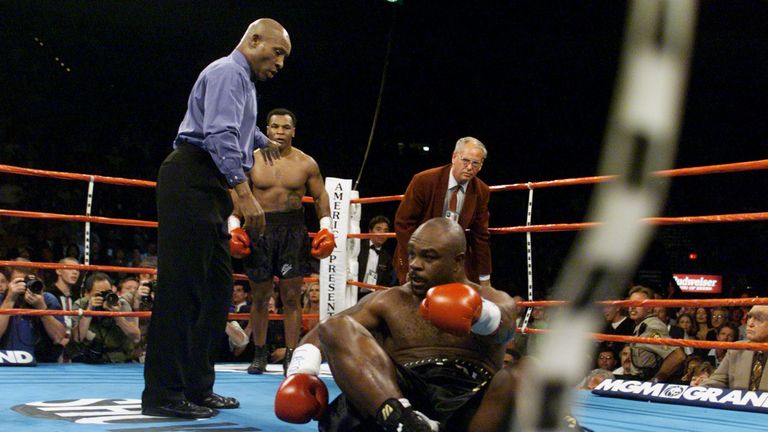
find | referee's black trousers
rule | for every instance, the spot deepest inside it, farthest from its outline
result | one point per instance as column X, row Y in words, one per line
column 194, row 278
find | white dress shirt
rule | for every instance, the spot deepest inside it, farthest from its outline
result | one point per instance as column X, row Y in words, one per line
column 373, row 263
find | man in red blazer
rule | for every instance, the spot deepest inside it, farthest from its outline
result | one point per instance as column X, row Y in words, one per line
column 453, row 191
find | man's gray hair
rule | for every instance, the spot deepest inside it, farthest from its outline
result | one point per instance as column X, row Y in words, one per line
column 602, row 373
column 462, row 142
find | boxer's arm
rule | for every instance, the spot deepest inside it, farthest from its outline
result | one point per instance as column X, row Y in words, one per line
column 316, row 189
column 507, row 307
column 366, row 312
column 324, row 242
column 251, row 210
column 236, row 212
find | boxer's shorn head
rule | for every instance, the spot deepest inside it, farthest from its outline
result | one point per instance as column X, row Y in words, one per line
column 436, row 253
column 265, row 45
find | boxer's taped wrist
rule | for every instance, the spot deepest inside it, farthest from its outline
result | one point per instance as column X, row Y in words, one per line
column 306, row 360
column 233, row 222
column 490, row 318
column 325, row 222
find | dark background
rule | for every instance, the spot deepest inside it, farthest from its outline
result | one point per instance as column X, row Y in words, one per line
column 531, row 79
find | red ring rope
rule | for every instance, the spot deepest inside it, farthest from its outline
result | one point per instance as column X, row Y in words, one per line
column 710, row 169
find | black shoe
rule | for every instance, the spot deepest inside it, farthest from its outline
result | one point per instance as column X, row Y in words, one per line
column 215, row 401
column 182, row 409
column 287, row 360
column 259, row 364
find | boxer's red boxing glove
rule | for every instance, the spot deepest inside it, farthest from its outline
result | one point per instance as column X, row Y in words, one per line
column 239, row 243
column 452, row 307
column 323, row 244
column 301, row 398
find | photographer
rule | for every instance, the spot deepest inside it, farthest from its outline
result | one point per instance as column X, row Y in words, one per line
column 66, row 291
column 103, row 339
column 143, row 300
column 126, row 289
column 39, row 336
column 144, row 297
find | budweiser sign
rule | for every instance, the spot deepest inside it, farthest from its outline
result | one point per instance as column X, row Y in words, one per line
column 699, row 283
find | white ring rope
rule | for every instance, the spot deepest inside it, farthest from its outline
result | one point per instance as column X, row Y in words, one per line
column 529, row 257
column 88, row 206
column 640, row 138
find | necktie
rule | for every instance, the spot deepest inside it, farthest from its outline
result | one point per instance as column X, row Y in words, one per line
column 454, row 199
column 375, row 249
column 757, row 371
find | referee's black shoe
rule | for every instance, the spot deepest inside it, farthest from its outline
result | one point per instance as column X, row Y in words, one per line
column 181, row 409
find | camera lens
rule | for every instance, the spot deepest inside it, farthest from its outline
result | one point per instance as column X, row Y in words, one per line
column 33, row 284
column 110, row 298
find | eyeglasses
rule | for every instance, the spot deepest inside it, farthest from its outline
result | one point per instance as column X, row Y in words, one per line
column 606, row 357
column 719, row 316
column 475, row 164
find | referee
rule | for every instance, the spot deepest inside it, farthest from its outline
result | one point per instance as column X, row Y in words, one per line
column 212, row 151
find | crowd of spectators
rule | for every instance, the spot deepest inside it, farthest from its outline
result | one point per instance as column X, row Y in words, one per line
column 114, row 339
column 659, row 363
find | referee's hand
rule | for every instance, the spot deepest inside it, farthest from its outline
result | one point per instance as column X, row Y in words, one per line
column 271, row 152
column 251, row 210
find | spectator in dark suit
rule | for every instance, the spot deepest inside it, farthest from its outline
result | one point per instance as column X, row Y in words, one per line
column 234, row 341
column 240, row 303
column 375, row 262
column 617, row 323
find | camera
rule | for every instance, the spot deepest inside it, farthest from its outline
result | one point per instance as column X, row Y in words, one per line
column 33, row 284
column 147, row 299
column 110, row 298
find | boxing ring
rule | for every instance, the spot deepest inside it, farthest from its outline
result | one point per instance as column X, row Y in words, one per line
column 639, row 148
column 105, row 397
column 84, row 398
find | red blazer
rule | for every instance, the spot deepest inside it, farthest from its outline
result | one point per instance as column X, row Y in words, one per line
column 424, row 200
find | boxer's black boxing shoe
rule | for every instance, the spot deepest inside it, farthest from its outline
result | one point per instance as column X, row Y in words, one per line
column 259, row 364
column 397, row 415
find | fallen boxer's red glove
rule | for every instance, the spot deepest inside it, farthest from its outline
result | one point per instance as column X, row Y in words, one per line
column 323, row 244
column 452, row 307
column 301, row 398
column 239, row 243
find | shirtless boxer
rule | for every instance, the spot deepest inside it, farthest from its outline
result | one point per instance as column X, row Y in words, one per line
column 282, row 250
column 424, row 356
